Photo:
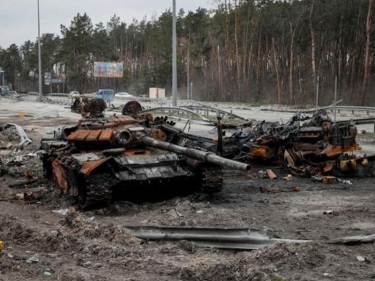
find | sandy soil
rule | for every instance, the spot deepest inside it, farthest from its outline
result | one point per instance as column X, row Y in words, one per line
column 44, row 245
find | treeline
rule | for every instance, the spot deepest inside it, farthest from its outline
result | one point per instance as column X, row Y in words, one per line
column 243, row 50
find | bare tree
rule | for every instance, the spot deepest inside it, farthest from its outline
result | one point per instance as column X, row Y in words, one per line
column 276, row 66
column 367, row 52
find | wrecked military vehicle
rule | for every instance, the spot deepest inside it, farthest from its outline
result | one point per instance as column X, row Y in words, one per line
column 306, row 145
column 79, row 103
column 132, row 157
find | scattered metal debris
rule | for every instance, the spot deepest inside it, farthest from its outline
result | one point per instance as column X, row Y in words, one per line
column 33, row 259
column 325, row 179
column 23, row 182
column 354, row 240
column 24, row 140
column 63, row 212
column 34, row 195
column 271, row 174
column 30, row 195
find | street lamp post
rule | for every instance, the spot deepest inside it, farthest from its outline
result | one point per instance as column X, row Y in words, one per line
column 39, row 57
column 2, row 72
column 174, row 57
column 188, row 74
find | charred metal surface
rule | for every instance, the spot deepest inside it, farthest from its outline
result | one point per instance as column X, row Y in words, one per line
column 129, row 157
column 131, row 108
column 85, row 107
column 350, row 166
column 306, row 145
column 195, row 154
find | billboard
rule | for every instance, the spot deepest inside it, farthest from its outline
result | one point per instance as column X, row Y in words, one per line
column 47, row 78
column 108, row 69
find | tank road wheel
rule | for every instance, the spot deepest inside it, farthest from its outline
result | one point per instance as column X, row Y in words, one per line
column 211, row 179
column 95, row 107
column 131, row 108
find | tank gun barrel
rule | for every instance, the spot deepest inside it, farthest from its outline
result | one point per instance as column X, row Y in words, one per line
column 195, row 153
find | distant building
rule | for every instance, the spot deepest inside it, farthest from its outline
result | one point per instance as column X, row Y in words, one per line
column 157, row 93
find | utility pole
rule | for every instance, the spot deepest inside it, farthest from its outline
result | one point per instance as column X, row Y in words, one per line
column 2, row 72
column 39, row 57
column 188, row 74
column 317, row 93
column 191, row 90
column 174, row 57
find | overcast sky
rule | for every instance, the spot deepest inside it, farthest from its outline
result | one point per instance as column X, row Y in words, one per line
column 19, row 18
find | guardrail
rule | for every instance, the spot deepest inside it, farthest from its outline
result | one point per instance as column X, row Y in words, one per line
column 367, row 109
column 364, row 121
column 47, row 95
column 332, row 108
column 63, row 100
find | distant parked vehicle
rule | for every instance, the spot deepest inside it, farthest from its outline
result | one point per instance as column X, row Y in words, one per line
column 74, row 95
column 124, row 95
column 106, row 94
column 4, row 90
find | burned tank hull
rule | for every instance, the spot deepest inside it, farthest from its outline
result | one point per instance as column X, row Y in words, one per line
column 317, row 140
column 96, row 179
column 104, row 159
column 305, row 145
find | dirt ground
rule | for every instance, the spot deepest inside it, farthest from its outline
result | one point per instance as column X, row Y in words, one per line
column 41, row 244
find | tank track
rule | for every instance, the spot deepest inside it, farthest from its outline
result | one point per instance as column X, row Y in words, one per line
column 212, row 179
column 98, row 192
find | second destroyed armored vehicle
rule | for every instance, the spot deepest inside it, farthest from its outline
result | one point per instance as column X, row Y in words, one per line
column 129, row 157
column 305, row 145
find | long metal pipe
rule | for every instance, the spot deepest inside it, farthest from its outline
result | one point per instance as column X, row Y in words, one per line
column 195, row 154
column 244, row 239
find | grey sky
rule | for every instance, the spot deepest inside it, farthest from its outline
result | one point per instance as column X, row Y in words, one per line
column 19, row 18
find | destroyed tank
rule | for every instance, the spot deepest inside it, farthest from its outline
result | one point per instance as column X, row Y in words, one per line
column 316, row 141
column 127, row 157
